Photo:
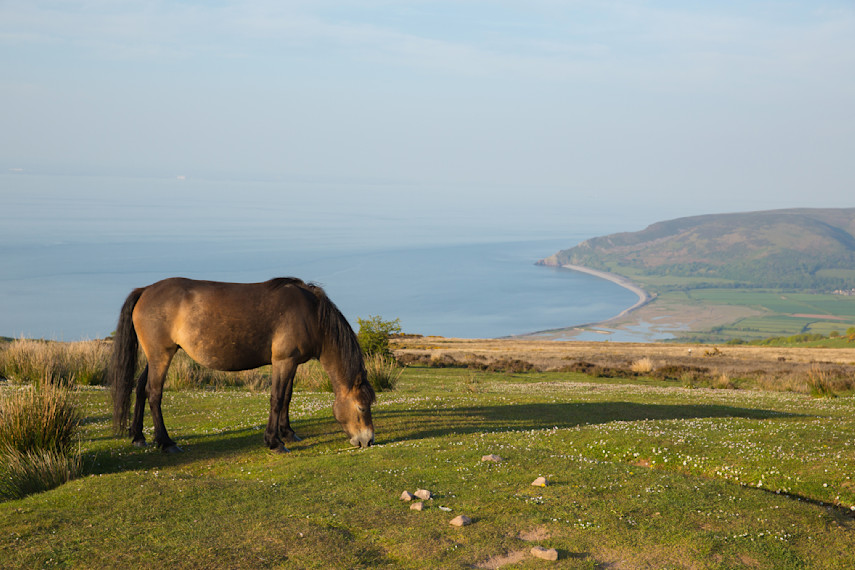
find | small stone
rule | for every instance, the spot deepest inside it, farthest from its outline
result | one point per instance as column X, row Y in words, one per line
column 492, row 457
column 539, row 482
column 448, row 509
column 407, row 496
column 461, row 520
column 545, row 553
column 419, row 506
column 423, row 494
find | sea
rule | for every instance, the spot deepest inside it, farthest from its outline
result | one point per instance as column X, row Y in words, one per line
column 452, row 262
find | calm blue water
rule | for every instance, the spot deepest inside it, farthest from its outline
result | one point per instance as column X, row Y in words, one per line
column 76, row 246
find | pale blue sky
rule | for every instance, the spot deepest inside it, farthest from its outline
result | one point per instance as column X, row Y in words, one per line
column 713, row 106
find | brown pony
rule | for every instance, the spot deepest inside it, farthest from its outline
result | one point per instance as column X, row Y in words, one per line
column 238, row 326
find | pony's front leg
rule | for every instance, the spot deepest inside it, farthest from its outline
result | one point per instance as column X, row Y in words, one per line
column 278, row 424
column 136, row 429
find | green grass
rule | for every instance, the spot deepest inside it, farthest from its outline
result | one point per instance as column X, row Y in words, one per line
column 780, row 301
column 775, row 313
column 641, row 475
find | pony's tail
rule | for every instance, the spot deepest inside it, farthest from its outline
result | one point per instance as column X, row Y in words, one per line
column 123, row 363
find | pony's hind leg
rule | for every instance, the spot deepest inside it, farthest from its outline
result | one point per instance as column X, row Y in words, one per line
column 156, row 377
column 136, row 429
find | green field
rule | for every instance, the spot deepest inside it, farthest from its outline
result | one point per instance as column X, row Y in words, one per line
column 776, row 313
column 640, row 475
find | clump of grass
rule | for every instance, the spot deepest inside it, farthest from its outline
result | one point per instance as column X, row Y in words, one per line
column 723, row 382
column 31, row 361
column 38, row 427
column 311, row 377
column 642, row 366
column 184, row 372
column 689, row 380
column 42, row 417
column 36, row 471
column 383, row 372
column 820, row 382
column 473, row 381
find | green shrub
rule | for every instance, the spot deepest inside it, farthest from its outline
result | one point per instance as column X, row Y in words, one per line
column 374, row 335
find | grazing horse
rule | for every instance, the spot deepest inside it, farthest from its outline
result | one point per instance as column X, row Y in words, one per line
column 238, row 326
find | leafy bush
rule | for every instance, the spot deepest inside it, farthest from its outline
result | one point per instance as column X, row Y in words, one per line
column 374, row 335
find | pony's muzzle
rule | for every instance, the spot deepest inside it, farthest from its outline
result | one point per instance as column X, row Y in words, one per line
column 363, row 439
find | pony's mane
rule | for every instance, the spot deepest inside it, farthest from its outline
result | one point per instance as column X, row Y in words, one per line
column 341, row 336
column 338, row 335
column 279, row 282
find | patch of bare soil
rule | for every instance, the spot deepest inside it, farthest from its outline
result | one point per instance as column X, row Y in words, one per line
column 534, row 535
column 500, row 560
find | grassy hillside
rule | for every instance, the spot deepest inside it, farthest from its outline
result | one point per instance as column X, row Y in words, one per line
column 808, row 249
column 641, row 474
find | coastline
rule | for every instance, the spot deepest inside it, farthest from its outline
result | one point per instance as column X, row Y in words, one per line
column 643, row 299
column 643, row 296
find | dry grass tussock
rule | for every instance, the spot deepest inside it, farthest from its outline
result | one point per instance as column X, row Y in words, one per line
column 39, row 426
column 642, row 366
column 33, row 361
column 36, row 417
column 184, row 372
column 312, row 378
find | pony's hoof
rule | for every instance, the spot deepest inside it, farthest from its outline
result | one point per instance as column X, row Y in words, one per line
column 281, row 449
column 140, row 443
column 293, row 437
column 172, row 449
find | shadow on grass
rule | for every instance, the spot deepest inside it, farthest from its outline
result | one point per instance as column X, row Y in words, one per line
column 427, row 423
column 412, row 424
column 218, row 445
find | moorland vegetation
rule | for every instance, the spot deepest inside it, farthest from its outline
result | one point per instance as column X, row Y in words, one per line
column 655, row 455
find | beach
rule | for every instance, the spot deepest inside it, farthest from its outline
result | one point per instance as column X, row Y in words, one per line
column 643, row 296
column 628, row 325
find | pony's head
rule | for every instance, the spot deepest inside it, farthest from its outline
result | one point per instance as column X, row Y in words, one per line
column 342, row 358
column 352, row 410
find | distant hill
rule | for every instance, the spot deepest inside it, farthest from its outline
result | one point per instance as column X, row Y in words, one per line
column 812, row 249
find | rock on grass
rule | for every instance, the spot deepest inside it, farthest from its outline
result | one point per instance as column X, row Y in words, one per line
column 460, row 520
column 419, row 506
column 492, row 457
column 539, row 482
column 407, row 496
column 423, row 494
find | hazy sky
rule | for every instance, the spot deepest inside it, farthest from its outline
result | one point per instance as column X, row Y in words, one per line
column 714, row 106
